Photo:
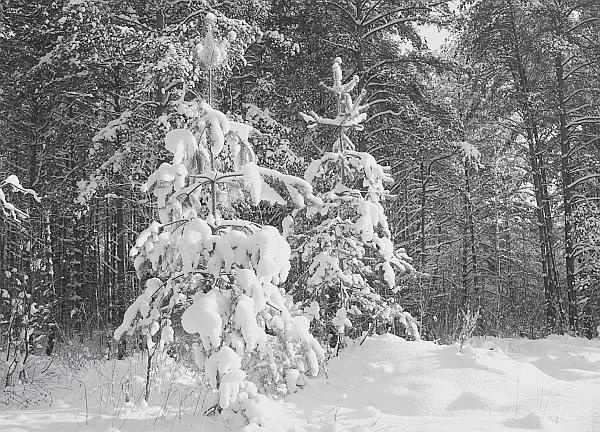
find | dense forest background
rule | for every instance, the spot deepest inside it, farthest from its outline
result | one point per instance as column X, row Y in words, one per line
column 493, row 143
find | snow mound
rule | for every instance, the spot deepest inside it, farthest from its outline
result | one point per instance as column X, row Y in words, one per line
column 570, row 366
column 561, row 357
column 530, row 421
column 469, row 401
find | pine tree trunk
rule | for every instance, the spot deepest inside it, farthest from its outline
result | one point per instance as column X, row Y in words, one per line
column 554, row 307
column 567, row 178
column 360, row 63
column 465, row 269
column 121, row 256
column 423, row 214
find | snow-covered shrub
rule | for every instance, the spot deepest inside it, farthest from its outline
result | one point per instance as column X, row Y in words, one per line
column 24, row 304
column 218, row 272
column 468, row 324
column 351, row 262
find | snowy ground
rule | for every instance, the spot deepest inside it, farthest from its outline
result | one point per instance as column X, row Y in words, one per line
column 386, row 384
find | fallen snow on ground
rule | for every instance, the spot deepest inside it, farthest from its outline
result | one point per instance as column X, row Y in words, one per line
column 385, row 384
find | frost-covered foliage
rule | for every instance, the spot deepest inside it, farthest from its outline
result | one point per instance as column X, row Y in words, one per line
column 217, row 272
column 351, row 263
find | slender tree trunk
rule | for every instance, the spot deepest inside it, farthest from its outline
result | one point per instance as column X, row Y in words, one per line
column 160, row 85
column 497, row 258
column 567, row 178
column 121, row 259
column 471, row 224
column 470, row 269
column 423, row 256
column 554, row 308
column 360, row 62
column 465, row 268
column 423, row 215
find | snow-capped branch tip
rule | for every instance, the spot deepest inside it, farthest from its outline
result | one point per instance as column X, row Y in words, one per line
column 337, row 87
column 312, row 118
column 210, row 19
column 350, row 113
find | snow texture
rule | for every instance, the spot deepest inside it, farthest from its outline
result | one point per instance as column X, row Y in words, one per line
column 385, row 383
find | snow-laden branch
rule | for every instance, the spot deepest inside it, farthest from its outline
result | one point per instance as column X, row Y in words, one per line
column 582, row 180
column 581, row 66
column 386, row 14
column 9, row 209
column 582, row 23
column 583, row 120
column 578, row 91
column 574, row 110
column 343, row 10
column 388, row 25
column 299, row 189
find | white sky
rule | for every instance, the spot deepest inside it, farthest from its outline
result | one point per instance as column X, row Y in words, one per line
column 434, row 37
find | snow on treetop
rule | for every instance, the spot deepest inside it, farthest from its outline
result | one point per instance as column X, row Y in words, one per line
column 211, row 52
column 350, row 113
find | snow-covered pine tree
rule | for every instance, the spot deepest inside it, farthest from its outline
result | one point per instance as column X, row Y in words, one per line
column 352, row 265
column 216, row 273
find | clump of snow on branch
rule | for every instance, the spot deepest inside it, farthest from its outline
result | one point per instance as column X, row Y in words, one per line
column 12, row 183
column 470, row 153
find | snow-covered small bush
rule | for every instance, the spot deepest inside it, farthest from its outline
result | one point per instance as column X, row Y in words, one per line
column 345, row 239
column 23, row 306
column 468, row 324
